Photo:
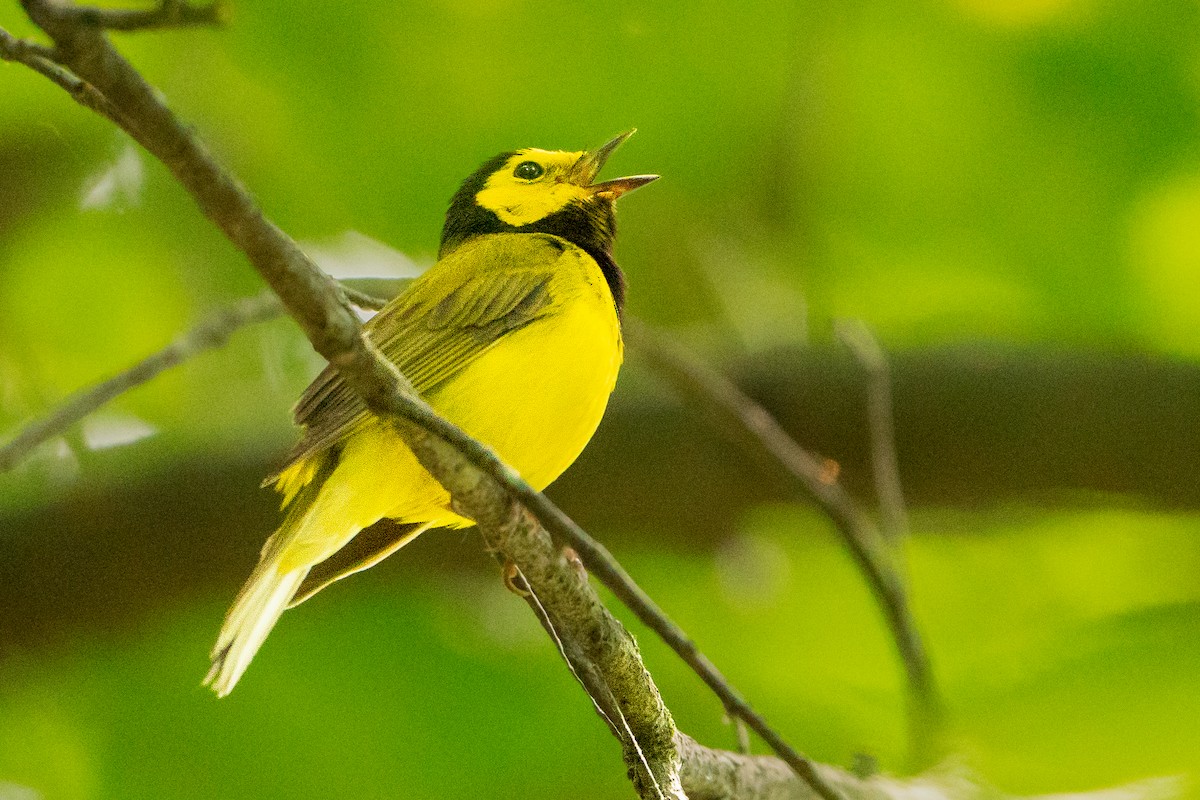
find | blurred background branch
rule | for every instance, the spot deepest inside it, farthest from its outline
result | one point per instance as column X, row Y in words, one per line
column 752, row 425
column 210, row 333
column 885, row 468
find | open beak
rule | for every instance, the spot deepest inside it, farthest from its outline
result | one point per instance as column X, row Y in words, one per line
column 590, row 163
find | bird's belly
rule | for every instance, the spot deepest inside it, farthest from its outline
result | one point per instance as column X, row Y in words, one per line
column 535, row 398
column 538, row 397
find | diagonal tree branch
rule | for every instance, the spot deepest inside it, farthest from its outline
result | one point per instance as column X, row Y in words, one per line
column 312, row 299
column 215, row 331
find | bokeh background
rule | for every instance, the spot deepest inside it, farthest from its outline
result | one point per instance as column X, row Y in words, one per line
column 1006, row 191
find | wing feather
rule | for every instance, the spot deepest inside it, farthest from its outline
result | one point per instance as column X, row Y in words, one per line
column 450, row 316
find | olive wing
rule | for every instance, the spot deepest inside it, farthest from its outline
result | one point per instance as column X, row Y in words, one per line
column 461, row 308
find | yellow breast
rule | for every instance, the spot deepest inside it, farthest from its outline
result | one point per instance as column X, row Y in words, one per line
column 538, row 397
column 535, row 397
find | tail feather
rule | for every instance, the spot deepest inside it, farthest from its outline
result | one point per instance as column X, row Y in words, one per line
column 254, row 613
column 269, row 589
column 311, row 549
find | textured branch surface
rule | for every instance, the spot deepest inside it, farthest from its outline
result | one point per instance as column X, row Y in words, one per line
column 719, row 775
column 604, row 656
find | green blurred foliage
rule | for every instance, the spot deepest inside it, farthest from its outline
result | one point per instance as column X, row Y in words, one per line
column 1020, row 170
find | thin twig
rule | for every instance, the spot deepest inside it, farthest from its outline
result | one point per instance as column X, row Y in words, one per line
column 543, row 617
column 743, row 735
column 168, row 14
column 44, row 61
column 605, row 655
column 363, row 300
column 211, row 333
column 21, row 50
column 885, row 467
column 713, row 391
column 582, row 663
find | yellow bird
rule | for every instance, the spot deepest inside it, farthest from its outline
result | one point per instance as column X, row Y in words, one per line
column 514, row 335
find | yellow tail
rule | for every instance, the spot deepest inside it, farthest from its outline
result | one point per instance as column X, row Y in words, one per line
column 271, row 586
column 254, row 613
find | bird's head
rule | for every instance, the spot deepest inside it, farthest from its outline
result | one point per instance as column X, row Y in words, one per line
column 541, row 191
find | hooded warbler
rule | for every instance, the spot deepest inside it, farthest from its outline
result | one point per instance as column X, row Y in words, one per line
column 514, row 335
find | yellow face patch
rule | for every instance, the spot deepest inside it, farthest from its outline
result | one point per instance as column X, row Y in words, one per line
column 531, row 185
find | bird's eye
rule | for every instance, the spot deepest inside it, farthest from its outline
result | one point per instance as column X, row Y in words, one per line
column 529, row 171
